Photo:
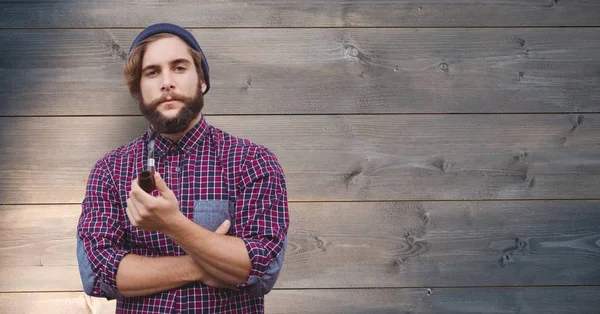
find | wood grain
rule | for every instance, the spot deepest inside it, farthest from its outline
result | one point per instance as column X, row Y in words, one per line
column 416, row 157
column 448, row 301
column 449, row 130
column 362, row 245
column 318, row 71
column 556, row 300
column 216, row 13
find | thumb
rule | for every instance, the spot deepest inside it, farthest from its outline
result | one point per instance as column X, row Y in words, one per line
column 161, row 186
column 224, row 227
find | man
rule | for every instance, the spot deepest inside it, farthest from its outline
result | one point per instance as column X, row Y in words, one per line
column 212, row 236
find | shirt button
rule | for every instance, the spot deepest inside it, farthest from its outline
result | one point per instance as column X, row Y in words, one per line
column 177, row 169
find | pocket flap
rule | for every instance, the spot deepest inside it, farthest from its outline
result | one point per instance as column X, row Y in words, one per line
column 210, row 214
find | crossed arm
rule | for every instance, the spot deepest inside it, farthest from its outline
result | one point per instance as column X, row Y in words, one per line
column 213, row 258
column 140, row 276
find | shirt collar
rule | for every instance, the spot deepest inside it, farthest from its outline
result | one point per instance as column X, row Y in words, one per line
column 187, row 142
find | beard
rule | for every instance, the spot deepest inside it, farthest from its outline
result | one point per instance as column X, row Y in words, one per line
column 179, row 123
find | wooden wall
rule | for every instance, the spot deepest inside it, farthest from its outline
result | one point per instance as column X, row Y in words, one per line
column 441, row 156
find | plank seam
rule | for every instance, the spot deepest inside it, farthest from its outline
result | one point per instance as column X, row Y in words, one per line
column 320, row 114
column 313, row 27
column 355, row 288
column 368, row 201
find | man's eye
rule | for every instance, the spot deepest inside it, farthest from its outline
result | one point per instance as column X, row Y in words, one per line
column 151, row 73
column 180, row 69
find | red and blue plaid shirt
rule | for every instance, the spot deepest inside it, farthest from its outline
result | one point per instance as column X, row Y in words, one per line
column 215, row 176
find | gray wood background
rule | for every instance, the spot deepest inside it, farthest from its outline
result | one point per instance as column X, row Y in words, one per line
column 441, row 156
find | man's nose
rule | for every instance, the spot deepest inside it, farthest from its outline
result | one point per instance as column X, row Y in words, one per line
column 167, row 82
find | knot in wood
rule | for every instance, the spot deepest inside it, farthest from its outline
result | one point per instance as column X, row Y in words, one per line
column 351, row 51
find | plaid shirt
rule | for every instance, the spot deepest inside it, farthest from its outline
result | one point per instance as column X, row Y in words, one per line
column 215, row 176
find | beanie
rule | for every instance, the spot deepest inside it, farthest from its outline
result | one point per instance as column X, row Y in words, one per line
column 181, row 33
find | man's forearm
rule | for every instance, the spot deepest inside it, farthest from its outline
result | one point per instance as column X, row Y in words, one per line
column 224, row 257
column 141, row 276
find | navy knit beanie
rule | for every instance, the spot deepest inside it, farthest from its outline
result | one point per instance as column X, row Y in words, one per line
column 181, row 33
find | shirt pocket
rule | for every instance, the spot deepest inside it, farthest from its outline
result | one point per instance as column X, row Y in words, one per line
column 210, row 214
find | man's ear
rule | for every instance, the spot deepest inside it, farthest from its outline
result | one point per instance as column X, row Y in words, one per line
column 203, row 85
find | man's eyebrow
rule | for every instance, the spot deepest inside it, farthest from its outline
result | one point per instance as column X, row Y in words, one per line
column 172, row 63
column 151, row 66
column 180, row 60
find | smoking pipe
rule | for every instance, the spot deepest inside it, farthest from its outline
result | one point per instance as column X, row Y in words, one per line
column 146, row 178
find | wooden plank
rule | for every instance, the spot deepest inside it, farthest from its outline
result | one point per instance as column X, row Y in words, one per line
column 332, row 245
column 218, row 13
column 554, row 300
column 318, row 71
column 376, row 157
column 533, row 300
column 448, row 301
column 58, row 302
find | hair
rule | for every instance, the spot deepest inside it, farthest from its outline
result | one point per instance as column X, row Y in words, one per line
column 133, row 64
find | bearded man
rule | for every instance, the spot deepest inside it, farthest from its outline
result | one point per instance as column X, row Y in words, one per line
column 210, row 235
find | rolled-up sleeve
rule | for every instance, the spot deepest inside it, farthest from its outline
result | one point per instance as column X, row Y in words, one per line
column 262, row 219
column 100, row 238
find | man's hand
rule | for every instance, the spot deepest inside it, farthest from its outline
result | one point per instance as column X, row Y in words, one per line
column 153, row 213
column 208, row 279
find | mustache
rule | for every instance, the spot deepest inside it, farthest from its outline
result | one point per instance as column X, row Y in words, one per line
column 174, row 96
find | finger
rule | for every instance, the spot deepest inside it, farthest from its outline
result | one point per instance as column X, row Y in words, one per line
column 132, row 212
column 214, row 282
column 139, row 195
column 224, row 227
column 226, row 286
column 162, row 187
column 135, row 189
